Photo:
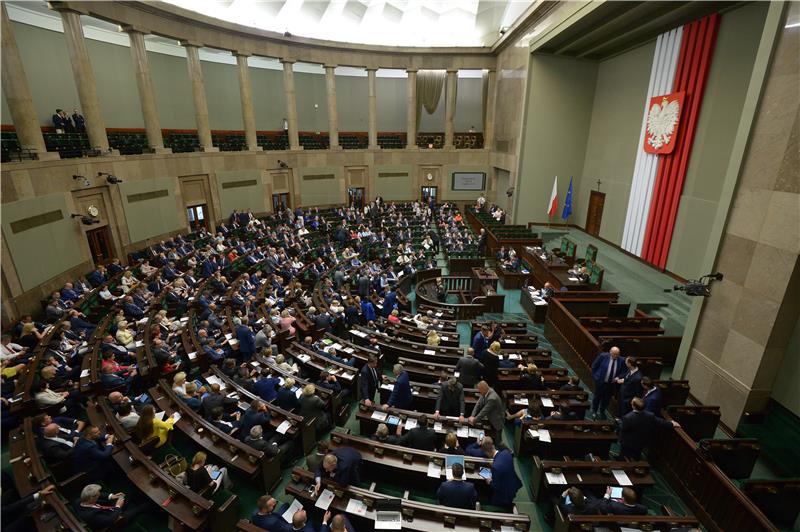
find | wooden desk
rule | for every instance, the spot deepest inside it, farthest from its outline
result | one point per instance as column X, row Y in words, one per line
column 568, row 438
column 578, row 401
column 592, row 475
column 662, row 523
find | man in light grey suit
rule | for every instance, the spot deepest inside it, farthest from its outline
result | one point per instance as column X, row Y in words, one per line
column 489, row 407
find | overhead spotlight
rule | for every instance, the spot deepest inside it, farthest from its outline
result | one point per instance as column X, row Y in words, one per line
column 287, row 34
column 503, row 30
column 111, row 179
column 85, row 219
column 282, row 164
column 85, row 182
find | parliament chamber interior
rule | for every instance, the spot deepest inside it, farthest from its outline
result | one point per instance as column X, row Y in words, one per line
column 339, row 266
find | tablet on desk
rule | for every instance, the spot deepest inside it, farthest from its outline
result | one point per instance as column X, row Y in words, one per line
column 485, row 473
column 215, row 474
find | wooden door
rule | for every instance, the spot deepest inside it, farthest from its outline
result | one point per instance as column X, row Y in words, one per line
column 100, row 245
column 197, row 215
column 594, row 216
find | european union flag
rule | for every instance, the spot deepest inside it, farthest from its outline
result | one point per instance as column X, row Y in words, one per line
column 568, row 202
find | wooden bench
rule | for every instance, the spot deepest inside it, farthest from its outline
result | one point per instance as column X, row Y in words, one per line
column 568, row 438
column 593, row 475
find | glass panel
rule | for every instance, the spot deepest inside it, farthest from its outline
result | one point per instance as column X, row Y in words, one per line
column 200, row 215
column 191, row 213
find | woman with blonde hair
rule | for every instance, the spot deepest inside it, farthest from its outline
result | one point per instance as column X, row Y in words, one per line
column 199, row 475
column 128, row 281
column 433, row 338
column 451, row 445
column 286, row 322
column 124, row 335
column 30, row 335
column 314, row 408
column 394, row 317
column 179, row 384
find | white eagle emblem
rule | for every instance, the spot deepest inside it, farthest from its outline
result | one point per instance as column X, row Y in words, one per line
column 661, row 122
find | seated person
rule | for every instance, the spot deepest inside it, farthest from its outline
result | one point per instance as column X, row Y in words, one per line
column 149, row 426
column 575, row 501
column 200, row 476
column 102, row 511
column 525, row 414
column 269, row 516
column 457, row 493
column 382, row 435
column 451, row 445
column 227, row 424
column 420, row 437
column 628, row 506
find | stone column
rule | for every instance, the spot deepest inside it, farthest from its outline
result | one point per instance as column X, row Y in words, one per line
column 333, row 117
column 199, row 96
column 84, row 79
column 411, row 110
column 488, row 125
column 144, row 82
column 450, row 108
column 18, row 95
column 291, row 104
column 246, row 95
column 373, row 110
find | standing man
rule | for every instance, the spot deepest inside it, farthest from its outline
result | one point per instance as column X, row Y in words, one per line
column 482, row 243
column 247, row 340
column 504, row 480
column 469, row 369
column 457, row 493
column 369, row 380
column 638, row 429
column 490, row 408
column 606, row 368
column 630, row 386
column 651, row 396
column 79, row 121
column 480, row 342
column 401, row 393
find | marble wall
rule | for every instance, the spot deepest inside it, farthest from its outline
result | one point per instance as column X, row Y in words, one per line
column 744, row 330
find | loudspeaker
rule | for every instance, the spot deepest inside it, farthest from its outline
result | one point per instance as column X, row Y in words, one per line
column 510, row 192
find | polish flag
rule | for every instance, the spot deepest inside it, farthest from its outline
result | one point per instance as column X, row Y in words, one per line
column 552, row 205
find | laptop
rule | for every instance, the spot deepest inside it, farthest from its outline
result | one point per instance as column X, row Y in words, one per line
column 387, row 514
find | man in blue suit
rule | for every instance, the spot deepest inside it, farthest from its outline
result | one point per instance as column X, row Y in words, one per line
column 97, row 277
column 389, row 302
column 269, row 516
column 638, row 429
column 267, row 386
column 652, row 396
column 401, row 393
column 92, row 454
column 369, row 379
column 340, row 465
column 131, row 309
column 457, row 492
column 607, row 367
column 504, row 482
column 630, row 386
column 480, row 343
column 247, row 340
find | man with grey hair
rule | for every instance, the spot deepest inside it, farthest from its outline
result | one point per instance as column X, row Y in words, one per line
column 488, row 408
column 401, row 396
column 606, row 368
column 102, row 511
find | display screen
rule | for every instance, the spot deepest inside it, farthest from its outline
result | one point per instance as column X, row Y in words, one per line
column 469, row 180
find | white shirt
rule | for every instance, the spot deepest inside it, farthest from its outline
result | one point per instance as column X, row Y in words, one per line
column 10, row 351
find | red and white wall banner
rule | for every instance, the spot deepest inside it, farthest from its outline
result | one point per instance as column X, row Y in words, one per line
column 677, row 80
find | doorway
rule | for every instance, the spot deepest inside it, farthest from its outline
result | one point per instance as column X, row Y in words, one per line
column 355, row 197
column 429, row 193
column 100, row 245
column 197, row 217
column 280, row 202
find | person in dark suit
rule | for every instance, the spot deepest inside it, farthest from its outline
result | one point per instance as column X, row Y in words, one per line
column 630, row 386
column 580, row 503
column 267, row 386
column 227, row 425
column 504, row 481
column 401, row 396
column 638, row 428
column 573, row 385
column 300, row 522
column 382, row 435
column 606, row 368
column 531, row 378
column 628, row 506
column 470, row 369
column 488, row 408
column 369, row 379
column 338, row 523
column 480, row 343
column 652, row 396
column 313, row 407
column 269, row 516
column 92, row 454
column 457, row 493
column 420, row 437
column 79, row 121
column 15, row 513
column 340, row 465
column 247, row 340
column 54, row 445
column 450, row 401
column 255, row 415
column 102, row 511
column 214, row 399
column 287, row 398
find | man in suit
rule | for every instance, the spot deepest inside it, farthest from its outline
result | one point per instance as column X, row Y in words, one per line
column 630, row 386
column 247, row 340
column 300, row 522
column 269, row 516
column 480, row 342
column 102, row 511
column 504, row 480
column 214, row 399
column 389, row 302
column 255, row 415
column 457, row 493
column 580, row 503
column 652, row 396
column 267, row 386
column 340, row 465
column 15, row 515
column 369, row 378
column 287, row 398
column 338, row 523
column 79, row 121
column 97, row 277
column 55, row 445
column 401, row 396
column 488, row 408
column 638, row 429
column 628, row 506
column 92, row 454
column 421, row 437
column 606, row 368
column 131, row 309
column 450, row 401
column 469, row 369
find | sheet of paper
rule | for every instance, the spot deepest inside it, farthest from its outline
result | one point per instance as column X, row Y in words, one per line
column 434, row 470
column 411, row 423
column 540, row 303
column 139, row 343
column 389, row 387
column 509, row 341
column 507, row 528
column 456, row 374
column 544, row 435
column 349, row 350
column 462, row 432
column 357, row 507
column 380, row 416
column 229, row 336
column 445, row 338
column 359, row 333
column 192, row 355
column 522, row 401
column 84, row 373
column 303, row 357
column 176, row 416
column 438, row 314
column 293, row 508
column 298, row 393
column 324, row 500
column 547, row 402
column 514, row 356
column 284, row 426
column 573, row 279
column 556, row 478
column 437, row 427
column 429, row 352
column 533, row 434
column 336, row 346
column 475, row 433
column 159, row 415
column 622, row 477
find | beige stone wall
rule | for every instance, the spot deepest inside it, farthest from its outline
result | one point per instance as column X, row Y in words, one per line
column 745, row 328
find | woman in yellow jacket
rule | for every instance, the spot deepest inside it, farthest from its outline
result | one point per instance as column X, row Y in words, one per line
column 149, row 426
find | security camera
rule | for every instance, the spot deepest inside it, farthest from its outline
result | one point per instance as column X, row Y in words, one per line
column 510, row 192
column 85, row 182
column 503, row 30
column 110, row 179
column 86, row 220
column 282, row 164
